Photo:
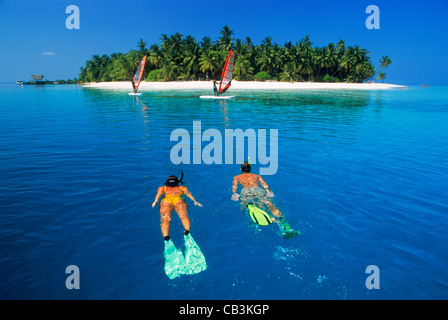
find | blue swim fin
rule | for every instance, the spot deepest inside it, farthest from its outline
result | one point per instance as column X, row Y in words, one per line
column 174, row 260
column 194, row 259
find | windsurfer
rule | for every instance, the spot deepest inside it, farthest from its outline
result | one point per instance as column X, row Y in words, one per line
column 214, row 88
column 135, row 81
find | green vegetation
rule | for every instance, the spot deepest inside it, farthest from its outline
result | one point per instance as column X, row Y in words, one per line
column 46, row 81
column 385, row 61
column 154, row 75
column 185, row 58
column 262, row 76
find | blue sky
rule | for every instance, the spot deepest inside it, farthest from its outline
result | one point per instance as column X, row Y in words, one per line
column 34, row 38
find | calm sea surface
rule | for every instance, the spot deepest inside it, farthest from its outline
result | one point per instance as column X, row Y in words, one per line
column 362, row 174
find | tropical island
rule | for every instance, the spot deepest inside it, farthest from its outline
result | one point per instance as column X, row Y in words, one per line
column 180, row 58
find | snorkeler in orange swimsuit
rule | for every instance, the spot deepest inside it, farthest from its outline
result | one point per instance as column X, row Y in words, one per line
column 173, row 201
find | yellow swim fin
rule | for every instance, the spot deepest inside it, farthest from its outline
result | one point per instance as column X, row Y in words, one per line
column 259, row 216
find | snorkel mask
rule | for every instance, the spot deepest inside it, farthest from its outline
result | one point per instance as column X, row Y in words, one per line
column 246, row 167
column 173, row 181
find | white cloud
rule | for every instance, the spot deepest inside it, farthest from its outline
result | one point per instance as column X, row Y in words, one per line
column 48, row 53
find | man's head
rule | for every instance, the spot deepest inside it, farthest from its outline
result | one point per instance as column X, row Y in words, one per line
column 245, row 167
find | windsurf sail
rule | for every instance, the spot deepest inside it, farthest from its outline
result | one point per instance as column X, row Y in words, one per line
column 227, row 73
column 139, row 74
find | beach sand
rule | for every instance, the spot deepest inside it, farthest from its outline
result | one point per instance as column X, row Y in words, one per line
column 240, row 85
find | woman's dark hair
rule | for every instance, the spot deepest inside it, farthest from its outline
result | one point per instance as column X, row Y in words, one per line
column 173, row 181
column 245, row 167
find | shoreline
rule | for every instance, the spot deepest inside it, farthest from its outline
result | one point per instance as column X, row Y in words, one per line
column 241, row 85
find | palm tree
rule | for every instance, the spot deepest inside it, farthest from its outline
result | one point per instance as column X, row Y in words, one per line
column 93, row 68
column 331, row 59
column 142, row 46
column 225, row 42
column 288, row 72
column 250, row 54
column 170, row 70
column 340, row 51
column 134, row 57
column 173, row 47
column 306, row 58
column 266, row 60
column 381, row 76
column 385, row 61
column 345, row 63
column 242, row 68
column 266, row 56
column 340, row 48
column 328, row 58
column 305, row 64
column 155, row 56
column 121, row 70
column 206, row 43
column 248, row 43
column 186, row 58
column 208, row 63
column 191, row 57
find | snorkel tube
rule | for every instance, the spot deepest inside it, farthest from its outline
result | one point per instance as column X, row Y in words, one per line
column 181, row 177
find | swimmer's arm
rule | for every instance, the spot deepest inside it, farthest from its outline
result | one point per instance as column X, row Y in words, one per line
column 189, row 195
column 235, row 196
column 263, row 183
column 159, row 194
column 235, row 184
column 265, row 186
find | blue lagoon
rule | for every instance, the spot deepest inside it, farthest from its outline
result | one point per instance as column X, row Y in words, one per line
column 361, row 173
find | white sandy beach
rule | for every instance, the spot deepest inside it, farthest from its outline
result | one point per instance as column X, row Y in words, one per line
column 240, row 85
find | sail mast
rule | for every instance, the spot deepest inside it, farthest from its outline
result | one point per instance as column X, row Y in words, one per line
column 139, row 73
column 227, row 72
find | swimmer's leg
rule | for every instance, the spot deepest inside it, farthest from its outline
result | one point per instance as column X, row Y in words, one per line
column 272, row 208
column 182, row 210
column 165, row 218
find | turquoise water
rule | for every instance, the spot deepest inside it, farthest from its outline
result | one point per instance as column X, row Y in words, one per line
column 362, row 174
